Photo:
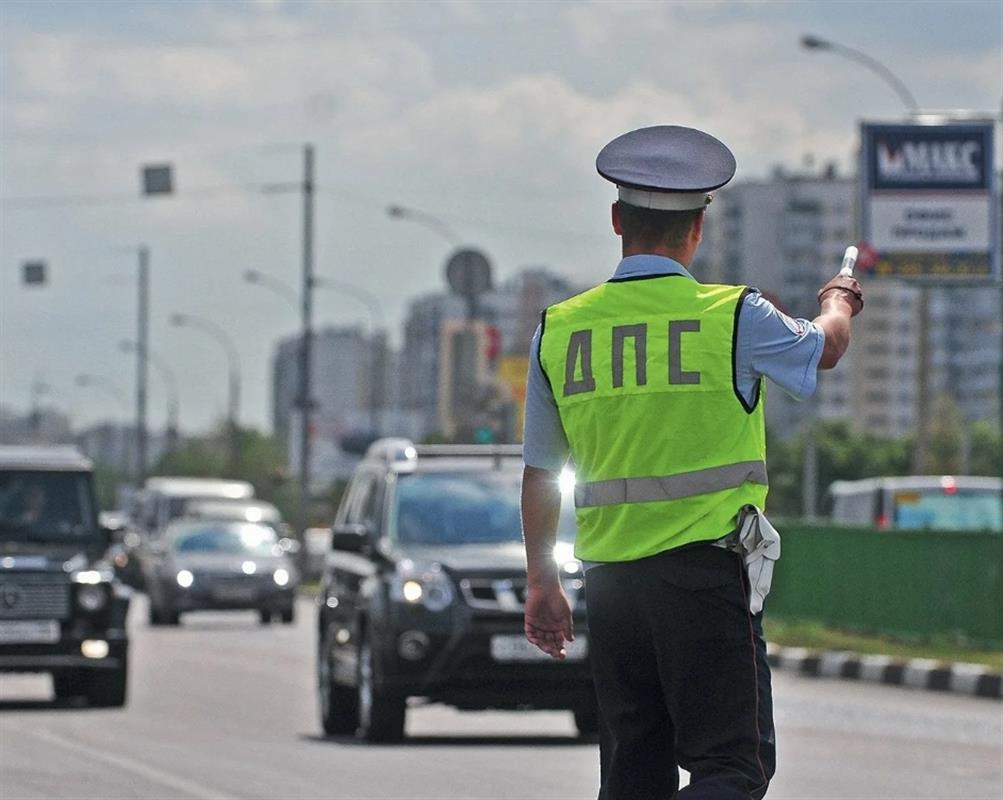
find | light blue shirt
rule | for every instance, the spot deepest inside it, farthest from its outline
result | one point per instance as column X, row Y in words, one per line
column 769, row 343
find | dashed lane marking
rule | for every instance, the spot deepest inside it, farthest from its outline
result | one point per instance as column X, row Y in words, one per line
column 152, row 774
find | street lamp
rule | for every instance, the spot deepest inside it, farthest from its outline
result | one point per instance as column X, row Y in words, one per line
column 273, row 284
column 170, row 386
column 809, row 479
column 809, row 42
column 215, row 332
column 35, row 274
column 425, row 219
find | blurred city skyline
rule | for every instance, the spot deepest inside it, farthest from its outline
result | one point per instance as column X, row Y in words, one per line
column 486, row 115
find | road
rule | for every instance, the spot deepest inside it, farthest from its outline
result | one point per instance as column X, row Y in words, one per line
column 224, row 708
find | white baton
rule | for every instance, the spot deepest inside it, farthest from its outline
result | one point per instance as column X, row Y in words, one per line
column 849, row 261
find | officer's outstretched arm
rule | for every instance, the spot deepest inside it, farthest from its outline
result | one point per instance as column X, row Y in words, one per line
column 548, row 620
column 840, row 299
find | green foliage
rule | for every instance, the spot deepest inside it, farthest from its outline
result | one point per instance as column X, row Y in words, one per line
column 106, row 482
column 844, row 454
column 985, row 448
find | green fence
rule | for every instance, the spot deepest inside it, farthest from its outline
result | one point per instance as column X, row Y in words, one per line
column 907, row 583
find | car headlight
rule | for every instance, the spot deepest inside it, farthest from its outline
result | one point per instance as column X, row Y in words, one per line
column 92, row 597
column 281, row 577
column 427, row 585
column 184, row 578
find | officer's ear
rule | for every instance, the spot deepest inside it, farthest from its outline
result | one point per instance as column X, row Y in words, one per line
column 615, row 219
column 696, row 230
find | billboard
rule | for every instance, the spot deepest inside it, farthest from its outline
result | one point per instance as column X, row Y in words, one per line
column 929, row 201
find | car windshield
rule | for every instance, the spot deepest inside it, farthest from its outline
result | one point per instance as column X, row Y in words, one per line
column 940, row 509
column 463, row 508
column 230, row 538
column 45, row 505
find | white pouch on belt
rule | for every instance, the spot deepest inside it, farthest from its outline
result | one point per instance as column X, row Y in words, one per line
column 760, row 548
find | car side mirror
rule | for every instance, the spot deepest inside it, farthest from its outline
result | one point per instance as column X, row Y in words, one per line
column 350, row 537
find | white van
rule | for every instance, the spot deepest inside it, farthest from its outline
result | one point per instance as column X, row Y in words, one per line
column 938, row 502
column 165, row 499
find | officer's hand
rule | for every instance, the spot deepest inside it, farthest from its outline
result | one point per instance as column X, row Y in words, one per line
column 548, row 619
column 850, row 290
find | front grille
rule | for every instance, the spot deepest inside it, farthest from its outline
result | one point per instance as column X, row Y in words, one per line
column 509, row 594
column 31, row 599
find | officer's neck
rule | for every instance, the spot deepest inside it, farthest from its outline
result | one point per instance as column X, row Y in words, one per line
column 683, row 255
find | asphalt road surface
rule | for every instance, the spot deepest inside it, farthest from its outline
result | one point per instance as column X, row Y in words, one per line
column 224, row 708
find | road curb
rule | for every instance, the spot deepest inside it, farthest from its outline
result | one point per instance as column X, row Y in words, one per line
column 976, row 680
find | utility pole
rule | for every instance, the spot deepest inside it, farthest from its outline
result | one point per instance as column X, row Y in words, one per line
column 142, row 347
column 306, row 341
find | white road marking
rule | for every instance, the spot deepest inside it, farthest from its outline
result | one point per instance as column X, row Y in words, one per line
column 137, row 768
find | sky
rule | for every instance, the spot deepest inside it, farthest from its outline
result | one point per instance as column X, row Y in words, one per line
column 486, row 115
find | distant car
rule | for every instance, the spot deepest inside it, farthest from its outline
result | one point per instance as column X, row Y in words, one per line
column 423, row 594
column 61, row 609
column 164, row 499
column 219, row 564
column 937, row 502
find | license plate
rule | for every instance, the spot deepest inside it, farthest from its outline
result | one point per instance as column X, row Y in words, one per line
column 235, row 594
column 517, row 648
column 44, row 631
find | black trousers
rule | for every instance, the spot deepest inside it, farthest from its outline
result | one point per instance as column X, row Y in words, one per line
column 681, row 675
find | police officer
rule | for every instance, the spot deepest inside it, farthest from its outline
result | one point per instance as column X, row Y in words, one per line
column 652, row 383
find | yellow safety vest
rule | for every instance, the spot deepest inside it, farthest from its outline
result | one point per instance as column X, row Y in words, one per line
column 666, row 450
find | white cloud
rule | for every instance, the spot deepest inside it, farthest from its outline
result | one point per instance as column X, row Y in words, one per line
column 486, row 111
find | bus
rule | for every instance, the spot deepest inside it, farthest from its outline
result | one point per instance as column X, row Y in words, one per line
column 920, row 502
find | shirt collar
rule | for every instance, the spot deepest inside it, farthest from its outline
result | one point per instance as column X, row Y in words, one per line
column 646, row 264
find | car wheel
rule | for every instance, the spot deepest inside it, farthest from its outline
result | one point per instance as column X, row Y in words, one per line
column 587, row 720
column 381, row 713
column 264, row 616
column 155, row 617
column 339, row 707
column 106, row 688
column 288, row 616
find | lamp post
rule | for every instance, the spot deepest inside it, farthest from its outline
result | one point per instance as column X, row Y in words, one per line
column 35, row 274
column 810, row 474
column 215, row 332
column 424, row 219
column 170, row 387
column 809, row 42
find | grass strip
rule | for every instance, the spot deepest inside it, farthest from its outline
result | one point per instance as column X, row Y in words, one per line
column 816, row 636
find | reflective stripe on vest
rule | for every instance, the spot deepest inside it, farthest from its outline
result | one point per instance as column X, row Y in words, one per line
column 669, row 487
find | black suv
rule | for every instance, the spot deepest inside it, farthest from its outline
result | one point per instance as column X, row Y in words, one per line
column 61, row 609
column 423, row 591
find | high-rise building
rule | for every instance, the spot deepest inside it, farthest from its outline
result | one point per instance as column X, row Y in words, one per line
column 786, row 236
column 347, row 375
column 355, row 390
